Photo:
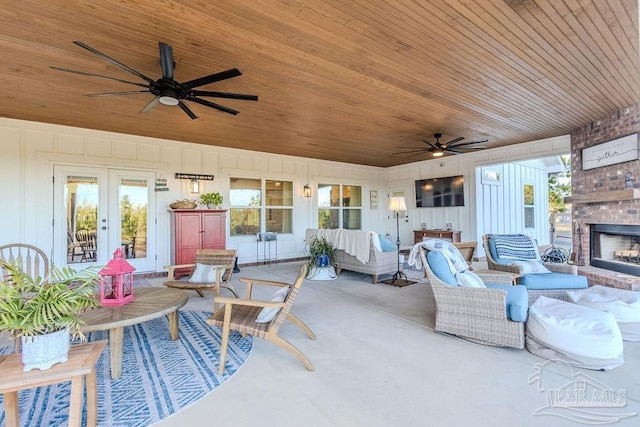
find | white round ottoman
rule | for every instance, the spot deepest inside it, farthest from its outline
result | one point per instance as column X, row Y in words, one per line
column 579, row 335
column 623, row 304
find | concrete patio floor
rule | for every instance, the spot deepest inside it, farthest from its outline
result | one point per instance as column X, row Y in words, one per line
column 378, row 362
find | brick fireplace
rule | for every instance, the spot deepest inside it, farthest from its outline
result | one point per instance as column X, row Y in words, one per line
column 600, row 197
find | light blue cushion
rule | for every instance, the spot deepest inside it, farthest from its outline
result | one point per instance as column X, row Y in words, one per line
column 494, row 253
column 517, row 301
column 386, row 245
column 554, row 281
column 440, row 267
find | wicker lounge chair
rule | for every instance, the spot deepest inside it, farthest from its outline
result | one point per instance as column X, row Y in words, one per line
column 475, row 314
column 223, row 259
column 565, row 277
column 241, row 315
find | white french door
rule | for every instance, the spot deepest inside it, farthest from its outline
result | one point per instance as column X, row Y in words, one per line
column 98, row 210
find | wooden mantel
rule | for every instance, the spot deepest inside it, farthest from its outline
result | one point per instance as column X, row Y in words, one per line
column 602, row 196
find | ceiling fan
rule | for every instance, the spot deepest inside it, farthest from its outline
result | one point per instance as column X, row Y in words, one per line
column 454, row 146
column 166, row 90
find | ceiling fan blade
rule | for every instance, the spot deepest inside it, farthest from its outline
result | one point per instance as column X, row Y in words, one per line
column 113, row 61
column 224, row 95
column 411, row 152
column 457, row 153
column 427, row 142
column 155, row 101
column 454, row 140
column 166, row 60
column 82, row 73
column 129, row 92
column 223, row 75
column 469, row 143
column 212, row 105
column 187, row 110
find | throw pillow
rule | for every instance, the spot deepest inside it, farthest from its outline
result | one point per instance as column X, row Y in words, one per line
column 204, row 273
column 375, row 241
column 267, row 314
column 535, row 267
column 469, row 279
column 386, row 245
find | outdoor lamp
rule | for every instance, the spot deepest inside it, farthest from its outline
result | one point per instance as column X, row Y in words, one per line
column 398, row 204
column 306, row 191
column 194, row 186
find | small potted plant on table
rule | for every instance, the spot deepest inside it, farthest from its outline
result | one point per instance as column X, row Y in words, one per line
column 212, row 200
column 43, row 312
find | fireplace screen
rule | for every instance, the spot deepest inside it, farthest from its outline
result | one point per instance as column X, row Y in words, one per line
column 616, row 247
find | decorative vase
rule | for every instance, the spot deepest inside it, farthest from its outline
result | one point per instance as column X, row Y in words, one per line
column 44, row 351
column 323, row 260
column 210, row 206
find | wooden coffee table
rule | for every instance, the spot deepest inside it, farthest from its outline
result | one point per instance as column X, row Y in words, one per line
column 149, row 303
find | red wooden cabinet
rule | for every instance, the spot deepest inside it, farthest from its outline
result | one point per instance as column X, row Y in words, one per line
column 193, row 229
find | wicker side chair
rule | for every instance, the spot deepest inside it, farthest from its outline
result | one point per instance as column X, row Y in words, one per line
column 241, row 315
column 31, row 259
column 518, row 271
column 475, row 314
column 222, row 259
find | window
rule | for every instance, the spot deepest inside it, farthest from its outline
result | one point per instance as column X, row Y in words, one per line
column 259, row 205
column 339, row 206
column 529, row 210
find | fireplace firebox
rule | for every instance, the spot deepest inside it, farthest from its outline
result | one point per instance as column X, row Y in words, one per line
column 615, row 247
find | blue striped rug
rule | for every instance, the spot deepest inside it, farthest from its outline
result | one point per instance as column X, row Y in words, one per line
column 159, row 376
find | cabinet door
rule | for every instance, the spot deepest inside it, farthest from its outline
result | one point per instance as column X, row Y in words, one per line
column 213, row 224
column 188, row 236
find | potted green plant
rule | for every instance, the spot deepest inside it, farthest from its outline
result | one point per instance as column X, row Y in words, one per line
column 211, row 200
column 44, row 311
column 321, row 253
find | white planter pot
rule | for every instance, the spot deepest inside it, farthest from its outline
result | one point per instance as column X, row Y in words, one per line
column 44, row 351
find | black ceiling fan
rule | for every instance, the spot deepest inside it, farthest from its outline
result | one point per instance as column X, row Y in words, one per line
column 454, row 146
column 166, row 90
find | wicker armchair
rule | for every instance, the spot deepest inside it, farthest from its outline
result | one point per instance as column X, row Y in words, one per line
column 517, row 270
column 475, row 314
column 223, row 259
column 241, row 314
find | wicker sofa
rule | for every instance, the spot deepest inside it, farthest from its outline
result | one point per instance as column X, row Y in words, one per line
column 379, row 262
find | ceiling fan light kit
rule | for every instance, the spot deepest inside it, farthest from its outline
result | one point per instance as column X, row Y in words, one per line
column 438, row 149
column 166, row 90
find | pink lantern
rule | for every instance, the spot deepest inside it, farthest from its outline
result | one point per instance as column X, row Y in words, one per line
column 116, row 281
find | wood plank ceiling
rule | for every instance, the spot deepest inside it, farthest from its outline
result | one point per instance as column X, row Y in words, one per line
column 344, row 80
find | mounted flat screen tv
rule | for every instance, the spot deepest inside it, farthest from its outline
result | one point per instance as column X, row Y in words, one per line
column 440, row 192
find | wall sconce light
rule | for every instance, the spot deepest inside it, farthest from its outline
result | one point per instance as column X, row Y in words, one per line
column 194, row 186
column 306, row 191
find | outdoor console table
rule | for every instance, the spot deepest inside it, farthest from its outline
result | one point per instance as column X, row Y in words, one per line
column 81, row 364
column 149, row 303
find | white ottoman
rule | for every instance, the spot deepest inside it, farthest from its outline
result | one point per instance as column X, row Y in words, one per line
column 623, row 304
column 581, row 336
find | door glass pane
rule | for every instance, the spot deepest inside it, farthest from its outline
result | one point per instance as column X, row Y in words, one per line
column 81, row 207
column 133, row 195
column 351, row 195
column 279, row 220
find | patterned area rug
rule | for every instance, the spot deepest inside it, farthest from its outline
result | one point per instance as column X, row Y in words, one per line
column 159, row 376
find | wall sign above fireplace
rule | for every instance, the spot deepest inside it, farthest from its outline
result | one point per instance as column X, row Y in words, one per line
column 610, row 153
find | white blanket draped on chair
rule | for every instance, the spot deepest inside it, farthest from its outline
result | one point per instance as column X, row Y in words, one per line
column 457, row 264
column 353, row 242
